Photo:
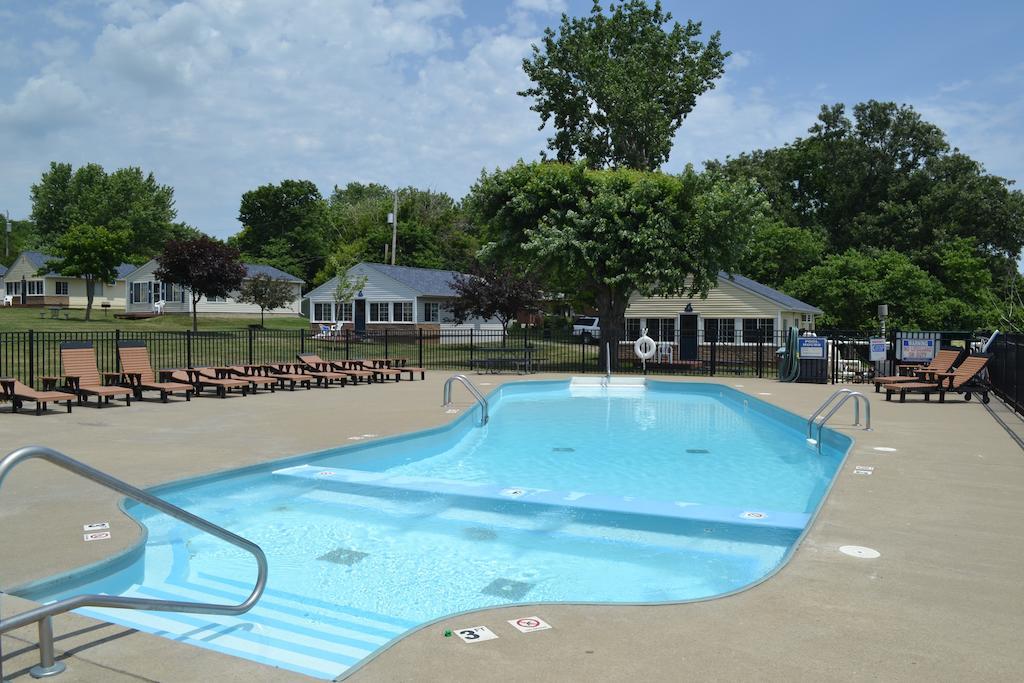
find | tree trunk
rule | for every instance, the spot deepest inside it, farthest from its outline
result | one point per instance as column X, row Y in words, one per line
column 195, row 320
column 611, row 311
column 90, row 290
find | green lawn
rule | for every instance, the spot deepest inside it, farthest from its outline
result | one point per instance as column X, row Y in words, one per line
column 21, row 319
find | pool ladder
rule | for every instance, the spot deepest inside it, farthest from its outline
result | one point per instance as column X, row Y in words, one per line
column 48, row 666
column 464, row 381
column 836, row 400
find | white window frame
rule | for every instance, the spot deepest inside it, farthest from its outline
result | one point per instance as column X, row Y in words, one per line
column 374, row 309
column 431, row 312
column 59, row 285
column 14, row 288
column 34, row 288
column 408, row 312
column 330, row 310
column 145, row 289
column 345, row 312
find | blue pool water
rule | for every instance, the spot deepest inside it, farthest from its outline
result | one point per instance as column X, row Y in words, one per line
column 579, row 494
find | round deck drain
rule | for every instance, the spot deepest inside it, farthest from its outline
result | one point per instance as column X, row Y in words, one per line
column 859, row 551
column 884, row 449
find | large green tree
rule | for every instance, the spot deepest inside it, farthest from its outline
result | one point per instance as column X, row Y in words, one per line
column 614, row 233
column 92, row 252
column 617, row 86
column 285, row 225
column 126, row 200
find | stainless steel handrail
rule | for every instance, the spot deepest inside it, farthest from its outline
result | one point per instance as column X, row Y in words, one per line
column 821, row 408
column 43, row 615
column 464, row 381
column 857, row 398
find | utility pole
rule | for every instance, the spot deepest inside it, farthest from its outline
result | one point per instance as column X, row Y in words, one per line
column 7, row 234
column 394, row 228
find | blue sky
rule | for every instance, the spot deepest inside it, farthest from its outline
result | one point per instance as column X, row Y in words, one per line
column 219, row 97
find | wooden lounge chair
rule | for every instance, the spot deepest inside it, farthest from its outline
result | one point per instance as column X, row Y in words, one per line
column 963, row 380
column 255, row 375
column 225, row 373
column 400, row 365
column 282, row 372
column 194, row 377
column 380, row 374
column 17, row 393
column 320, row 372
column 942, row 362
column 137, row 373
column 82, row 375
column 342, row 367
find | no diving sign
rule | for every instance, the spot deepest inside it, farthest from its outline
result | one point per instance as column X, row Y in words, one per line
column 530, row 624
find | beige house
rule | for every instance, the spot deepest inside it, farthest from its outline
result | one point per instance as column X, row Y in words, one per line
column 29, row 284
column 737, row 311
column 145, row 294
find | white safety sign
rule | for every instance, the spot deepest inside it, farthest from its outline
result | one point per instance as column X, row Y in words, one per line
column 475, row 634
column 530, row 624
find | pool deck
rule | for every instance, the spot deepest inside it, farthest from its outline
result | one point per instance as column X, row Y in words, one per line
column 944, row 602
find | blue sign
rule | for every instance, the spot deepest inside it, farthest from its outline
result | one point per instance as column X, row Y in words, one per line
column 918, row 349
column 878, row 349
column 811, row 348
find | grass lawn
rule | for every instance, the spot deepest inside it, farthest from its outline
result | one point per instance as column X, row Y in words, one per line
column 22, row 319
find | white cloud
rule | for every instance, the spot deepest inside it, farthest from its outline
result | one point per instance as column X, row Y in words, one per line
column 63, row 20
column 547, row 6
column 44, row 104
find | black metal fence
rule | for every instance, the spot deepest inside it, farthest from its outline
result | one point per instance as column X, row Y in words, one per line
column 1006, row 369
column 31, row 355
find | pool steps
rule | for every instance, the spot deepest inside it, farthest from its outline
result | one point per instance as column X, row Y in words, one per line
column 331, row 477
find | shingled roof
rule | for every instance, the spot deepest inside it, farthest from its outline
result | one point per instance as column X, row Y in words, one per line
column 787, row 302
column 426, row 281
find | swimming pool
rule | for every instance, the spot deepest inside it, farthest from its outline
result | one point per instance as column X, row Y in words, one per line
column 669, row 492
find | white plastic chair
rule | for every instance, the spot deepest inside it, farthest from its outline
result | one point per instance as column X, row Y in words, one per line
column 9, row 300
column 664, row 352
column 158, row 306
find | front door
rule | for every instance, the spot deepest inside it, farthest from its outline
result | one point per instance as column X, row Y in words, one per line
column 360, row 315
column 688, row 336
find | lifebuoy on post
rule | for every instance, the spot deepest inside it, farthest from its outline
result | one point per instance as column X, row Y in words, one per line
column 644, row 348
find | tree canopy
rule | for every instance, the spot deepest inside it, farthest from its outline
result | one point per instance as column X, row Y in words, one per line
column 616, row 87
column 618, row 232
column 266, row 292
column 92, row 252
column 494, row 290
column 204, row 265
column 126, row 200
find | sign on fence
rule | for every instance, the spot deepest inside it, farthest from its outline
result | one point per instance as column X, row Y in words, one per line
column 811, row 348
column 877, row 346
column 918, row 349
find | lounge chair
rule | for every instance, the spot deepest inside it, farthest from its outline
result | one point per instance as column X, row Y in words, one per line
column 379, row 373
column 255, row 375
column 17, row 393
column 943, row 361
column 82, row 375
column 320, row 372
column 314, row 361
column 221, row 373
column 137, row 373
column 400, row 365
column 199, row 382
column 282, row 372
column 963, row 380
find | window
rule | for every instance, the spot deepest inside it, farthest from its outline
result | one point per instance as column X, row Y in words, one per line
column 632, row 329
column 322, row 313
column 807, row 321
column 431, row 312
column 379, row 312
column 662, row 329
column 403, row 312
column 758, row 329
column 169, row 292
column 34, row 288
column 13, row 288
column 140, row 293
column 60, row 288
column 720, row 329
column 216, row 299
column 345, row 312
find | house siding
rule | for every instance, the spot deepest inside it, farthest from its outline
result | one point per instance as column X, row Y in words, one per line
column 113, row 293
column 724, row 301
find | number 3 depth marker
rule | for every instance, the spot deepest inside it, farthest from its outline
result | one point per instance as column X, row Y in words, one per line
column 475, row 634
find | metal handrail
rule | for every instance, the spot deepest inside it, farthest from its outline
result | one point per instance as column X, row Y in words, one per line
column 857, row 398
column 44, row 614
column 821, row 408
column 464, row 381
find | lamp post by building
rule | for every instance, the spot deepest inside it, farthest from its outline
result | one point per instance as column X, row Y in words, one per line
column 883, row 313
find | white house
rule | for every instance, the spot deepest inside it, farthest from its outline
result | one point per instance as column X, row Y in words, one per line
column 144, row 290
column 31, row 285
column 397, row 298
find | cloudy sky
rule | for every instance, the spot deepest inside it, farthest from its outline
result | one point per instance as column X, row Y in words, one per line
column 217, row 97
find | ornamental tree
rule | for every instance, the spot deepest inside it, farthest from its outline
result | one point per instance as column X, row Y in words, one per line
column 616, row 87
column 266, row 292
column 611, row 234
column 203, row 265
column 91, row 252
column 494, row 290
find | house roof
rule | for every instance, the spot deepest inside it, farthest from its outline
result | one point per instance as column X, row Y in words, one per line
column 426, row 281
column 787, row 302
column 254, row 269
column 3, row 271
column 38, row 259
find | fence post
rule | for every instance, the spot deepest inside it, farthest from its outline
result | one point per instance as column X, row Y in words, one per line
column 31, row 358
column 386, row 354
column 348, row 343
column 714, row 353
column 188, row 348
column 252, row 333
column 117, row 356
column 302, row 341
column 420, row 330
column 760, row 357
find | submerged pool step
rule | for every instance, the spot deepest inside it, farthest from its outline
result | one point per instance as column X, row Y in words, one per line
column 357, row 480
column 283, row 630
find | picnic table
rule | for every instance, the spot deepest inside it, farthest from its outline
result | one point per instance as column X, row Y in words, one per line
column 496, row 359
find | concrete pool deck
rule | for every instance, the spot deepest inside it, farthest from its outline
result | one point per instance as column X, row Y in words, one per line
column 945, row 601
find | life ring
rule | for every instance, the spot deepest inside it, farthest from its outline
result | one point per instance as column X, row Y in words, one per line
column 645, row 348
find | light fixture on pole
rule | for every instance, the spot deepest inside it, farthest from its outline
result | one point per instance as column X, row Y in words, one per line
column 883, row 313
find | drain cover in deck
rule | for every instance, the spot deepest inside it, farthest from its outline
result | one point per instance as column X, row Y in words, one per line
column 343, row 556
column 507, row 588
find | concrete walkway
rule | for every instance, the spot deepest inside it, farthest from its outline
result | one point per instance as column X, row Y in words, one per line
column 943, row 602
